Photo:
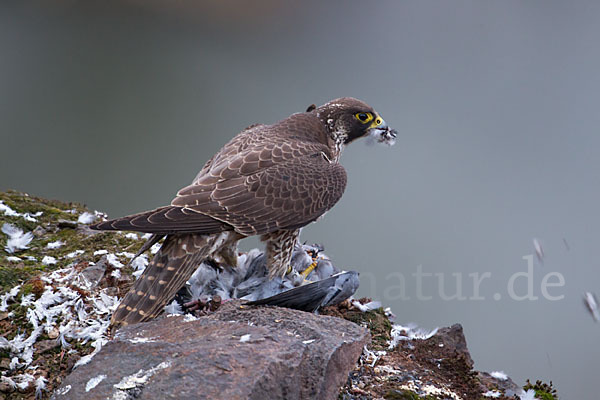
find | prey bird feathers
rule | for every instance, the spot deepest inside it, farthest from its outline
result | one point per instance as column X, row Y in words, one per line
column 269, row 180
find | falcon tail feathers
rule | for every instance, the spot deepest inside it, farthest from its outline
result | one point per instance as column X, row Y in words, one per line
column 165, row 220
column 172, row 266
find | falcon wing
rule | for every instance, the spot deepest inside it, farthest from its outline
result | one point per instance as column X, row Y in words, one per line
column 285, row 195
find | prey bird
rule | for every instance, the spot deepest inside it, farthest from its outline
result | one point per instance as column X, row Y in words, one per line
column 269, row 180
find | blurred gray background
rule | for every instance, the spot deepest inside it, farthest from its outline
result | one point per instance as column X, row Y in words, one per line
column 119, row 105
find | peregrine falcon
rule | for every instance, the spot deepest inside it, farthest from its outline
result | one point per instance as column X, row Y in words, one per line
column 269, row 180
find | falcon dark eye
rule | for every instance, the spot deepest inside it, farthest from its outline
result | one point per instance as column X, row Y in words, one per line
column 364, row 117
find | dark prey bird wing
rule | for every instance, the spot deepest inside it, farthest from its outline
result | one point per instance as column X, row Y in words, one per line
column 312, row 296
column 267, row 178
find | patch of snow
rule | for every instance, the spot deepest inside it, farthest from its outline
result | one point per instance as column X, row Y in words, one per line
column 308, row 341
column 131, row 235
column 100, row 252
column 13, row 259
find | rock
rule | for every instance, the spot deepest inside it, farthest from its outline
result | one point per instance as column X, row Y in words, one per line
column 5, row 364
column 53, row 334
column 39, row 231
column 6, row 387
column 65, row 223
column 507, row 385
column 44, row 345
column 235, row 353
column 93, row 274
column 440, row 366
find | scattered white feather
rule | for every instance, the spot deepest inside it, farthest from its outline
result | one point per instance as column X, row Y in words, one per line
column 539, row 251
column 173, row 308
column 114, row 261
column 141, row 340
column 75, row 253
column 27, row 300
column 139, row 265
column 62, row 391
column 55, row 245
column 527, row 395
column 9, row 212
column 189, row 318
column 373, row 305
column 308, row 341
column 500, row 375
column 14, row 363
column 409, row 332
column 48, row 260
column 13, row 259
column 86, row 218
column 140, row 378
column 245, row 338
column 492, row 393
column 40, row 385
column 8, row 381
column 589, row 299
column 154, row 249
column 24, row 381
column 100, row 252
column 6, row 297
column 93, row 382
column 17, row 240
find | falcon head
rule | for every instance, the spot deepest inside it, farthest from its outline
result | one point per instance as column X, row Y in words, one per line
column 348, row 119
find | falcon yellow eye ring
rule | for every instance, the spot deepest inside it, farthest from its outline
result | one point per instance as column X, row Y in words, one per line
column 364, row 117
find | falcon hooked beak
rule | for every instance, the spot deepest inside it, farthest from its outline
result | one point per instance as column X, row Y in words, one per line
column 381, row 132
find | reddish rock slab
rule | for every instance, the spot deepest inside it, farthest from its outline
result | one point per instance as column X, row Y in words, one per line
column 236, row 353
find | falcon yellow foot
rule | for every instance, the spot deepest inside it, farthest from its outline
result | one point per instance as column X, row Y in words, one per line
column 310, row 268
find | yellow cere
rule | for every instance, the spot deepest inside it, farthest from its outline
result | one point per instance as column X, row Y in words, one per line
column 378, row 121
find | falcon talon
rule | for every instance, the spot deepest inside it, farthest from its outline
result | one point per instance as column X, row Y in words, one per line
column 268, row 181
